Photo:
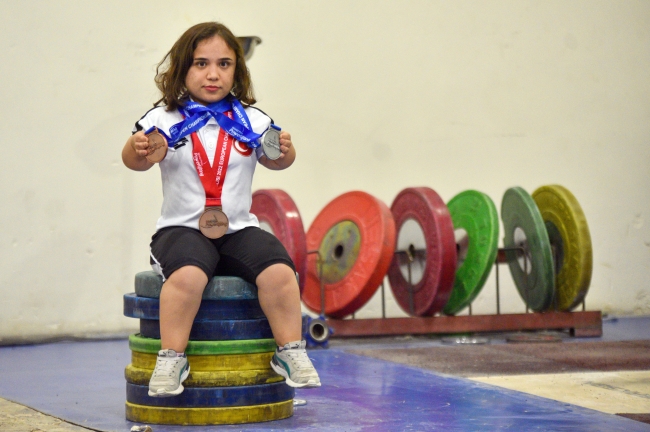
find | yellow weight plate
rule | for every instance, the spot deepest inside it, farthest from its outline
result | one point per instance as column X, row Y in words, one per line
column 570, row 239
column 209, row 416
column 140, row 376
column 210, row 363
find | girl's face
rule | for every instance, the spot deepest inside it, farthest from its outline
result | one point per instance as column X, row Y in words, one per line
column 212, row 74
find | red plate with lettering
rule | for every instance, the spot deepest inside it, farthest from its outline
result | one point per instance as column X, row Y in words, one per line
column 355, row 239
column 425, row 252
column 279, row 215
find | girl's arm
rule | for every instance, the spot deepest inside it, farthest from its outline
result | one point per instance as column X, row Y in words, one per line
column 286, row 158
column 135, row 151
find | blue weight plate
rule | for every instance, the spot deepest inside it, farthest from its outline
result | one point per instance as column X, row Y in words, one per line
column 149, row 308
column 149, row 284
column 211, row 397
column 215, row 330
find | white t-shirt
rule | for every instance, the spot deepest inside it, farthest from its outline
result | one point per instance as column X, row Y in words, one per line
column 183, row 192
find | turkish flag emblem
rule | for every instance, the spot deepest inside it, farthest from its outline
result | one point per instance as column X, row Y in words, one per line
column 242, row 149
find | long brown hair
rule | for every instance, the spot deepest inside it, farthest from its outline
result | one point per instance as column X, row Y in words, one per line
column 172, row 69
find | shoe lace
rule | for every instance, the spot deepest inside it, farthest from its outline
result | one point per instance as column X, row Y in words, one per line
column 165, row 367
column 299, row 358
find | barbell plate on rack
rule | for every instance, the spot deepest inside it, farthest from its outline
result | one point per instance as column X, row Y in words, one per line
column 148, row 345
column 475, row 217
column 210, row 363
column 278, row 214
column 524, row 228
column 215, row 330
column 228, row 378
column 355, row 237
column 207, row 397
column 425, row 238
column 149, row 308
column 149, row 284
column 209, row 416
column 570, row 240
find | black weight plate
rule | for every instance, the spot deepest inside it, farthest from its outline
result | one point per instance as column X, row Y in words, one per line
column 215, row 330
column 148, row 308
column 207, row 397
column 149, row 284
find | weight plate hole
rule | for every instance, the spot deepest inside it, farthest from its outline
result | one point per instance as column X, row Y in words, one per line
column 462, row 245
column 524, row 257
column 337, row 253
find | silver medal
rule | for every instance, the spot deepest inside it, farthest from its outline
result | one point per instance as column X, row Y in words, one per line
column 271, row 143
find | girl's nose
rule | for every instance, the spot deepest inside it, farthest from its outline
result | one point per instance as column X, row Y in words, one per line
column 213, row 73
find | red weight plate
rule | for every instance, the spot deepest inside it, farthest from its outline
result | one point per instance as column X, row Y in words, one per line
column 355, row 237
column 425, row 238
column 278, row 213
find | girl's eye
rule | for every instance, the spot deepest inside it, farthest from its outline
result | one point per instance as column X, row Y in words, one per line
column 200, row 63
column 224, row 63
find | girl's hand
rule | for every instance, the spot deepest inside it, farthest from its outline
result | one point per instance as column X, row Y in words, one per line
column 285, row 143
column 134, row 152
column 287, row 156
column 140, row 144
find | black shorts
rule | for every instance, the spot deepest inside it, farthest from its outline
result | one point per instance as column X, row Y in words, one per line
column 245, row 253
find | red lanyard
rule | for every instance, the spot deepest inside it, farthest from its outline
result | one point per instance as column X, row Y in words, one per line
column 212, row 177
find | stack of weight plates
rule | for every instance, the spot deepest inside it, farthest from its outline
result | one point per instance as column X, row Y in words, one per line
column 548, row 247
column 229, row 352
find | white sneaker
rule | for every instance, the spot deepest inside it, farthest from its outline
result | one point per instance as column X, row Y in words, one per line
column 291, row 361
column 168, row 376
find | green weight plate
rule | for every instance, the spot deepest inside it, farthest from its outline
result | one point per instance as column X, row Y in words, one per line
column 525, row 228
column 233, row 378
column 209, row 416
column 149, row 284
column 570, row 241
column 476, row 221
column 146, row 345
column 210, row 363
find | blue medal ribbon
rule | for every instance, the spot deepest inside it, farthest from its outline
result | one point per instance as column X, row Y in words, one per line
column 197, row 115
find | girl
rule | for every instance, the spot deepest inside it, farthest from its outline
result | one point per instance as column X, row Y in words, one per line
column 206, row 136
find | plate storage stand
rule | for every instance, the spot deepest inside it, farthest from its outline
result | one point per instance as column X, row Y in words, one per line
column 546, row 247
column 229, row 354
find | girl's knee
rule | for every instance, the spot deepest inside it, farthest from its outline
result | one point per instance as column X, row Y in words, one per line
column 277, row 275
column 190, row 279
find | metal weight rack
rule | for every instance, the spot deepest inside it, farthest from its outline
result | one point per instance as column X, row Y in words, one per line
column 579, row 324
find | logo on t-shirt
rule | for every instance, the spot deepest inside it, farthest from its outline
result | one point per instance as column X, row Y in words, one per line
column 242, row 148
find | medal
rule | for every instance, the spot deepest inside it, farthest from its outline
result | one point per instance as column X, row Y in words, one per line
column 271, row 142
column 213, row 222
column 157, row 146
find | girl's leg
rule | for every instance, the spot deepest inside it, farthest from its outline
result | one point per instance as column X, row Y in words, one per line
column 179, row 302
column 279, row 296
column 180, row 299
